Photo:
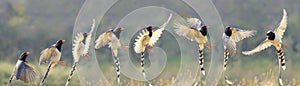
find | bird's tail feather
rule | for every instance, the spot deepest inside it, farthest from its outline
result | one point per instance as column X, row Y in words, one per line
column 281, row 59
column 71, row 73
column 10, row 79
column 226, row 56
column 46, row 74
column 117, row 69
column 143, row 68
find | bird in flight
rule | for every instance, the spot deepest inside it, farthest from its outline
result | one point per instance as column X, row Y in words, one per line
column 80, row 48
column 274, row 38
column 149, row 36
column 194, row 30
column 111, row 37
column 24, row 70
column 231, row 37
column 51, row 56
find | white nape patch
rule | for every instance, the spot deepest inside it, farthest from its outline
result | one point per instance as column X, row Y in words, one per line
column 229, row 82
column 18, row 63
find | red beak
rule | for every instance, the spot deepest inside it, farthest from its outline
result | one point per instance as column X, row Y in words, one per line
column 27, row 53
column 122, row 28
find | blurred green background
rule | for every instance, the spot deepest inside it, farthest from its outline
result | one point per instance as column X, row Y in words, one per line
column 32, row 25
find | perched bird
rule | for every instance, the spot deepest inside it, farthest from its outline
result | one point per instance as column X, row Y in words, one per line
column 232, row 36
column 274, row 38
column 194, row 30
column 111, row 37
column 148, row 37
column 80, row 48
column 52, row 56
column 24, row 70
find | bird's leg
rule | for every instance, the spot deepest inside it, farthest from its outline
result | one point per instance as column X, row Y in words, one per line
column 149, row 48
column 209, row 45
column 62, row 63
column 85, row 56
column 124, row 47
column 284, row 45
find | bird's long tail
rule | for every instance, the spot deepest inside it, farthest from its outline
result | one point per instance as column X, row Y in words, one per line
column 281, row 60
column 201, row 61
column 201, row 64
column 10, row 79
column 226, row 56
column 143, row 68
column 117, row 63
column 46, row 74
column 71, row 73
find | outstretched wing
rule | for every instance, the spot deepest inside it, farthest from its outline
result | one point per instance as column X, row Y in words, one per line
column 191, row 34
column 265, row 44
column 157, row 33
column 78, row 47
column 46, row 55
column 283, row 25
column 194, row 23
column 141, row 41
column 27, row 72
column 230, row 45
column 239, row 34
column 103, row 39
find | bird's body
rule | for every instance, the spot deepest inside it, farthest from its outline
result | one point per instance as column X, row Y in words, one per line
column 111, row 37
column 274, row 38
column 80, row 48
column 24, row 70
column 148, row 37
column 232, row 36
column 51, row 56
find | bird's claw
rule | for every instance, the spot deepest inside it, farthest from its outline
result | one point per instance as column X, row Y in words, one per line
column 62, row 63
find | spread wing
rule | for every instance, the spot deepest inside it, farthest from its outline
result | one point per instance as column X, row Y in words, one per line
column 265, row 44
column 157, row 33
column 191, row 34
column 103, row 39
column 27, row 72
column 47, row 54
column 78, row 47
column 194, row 22
column 89, row 38
column 238, row 34
column 141, row 41
column 230, row 45
column 283, row 25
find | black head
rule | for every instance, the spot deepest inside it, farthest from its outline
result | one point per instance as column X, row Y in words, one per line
column 84, row 36
column 203, row 30
column 58, row 44
column 270, row 35
column 24, row 56
column 118, row 31
column 149, row 29
column 228, row 31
